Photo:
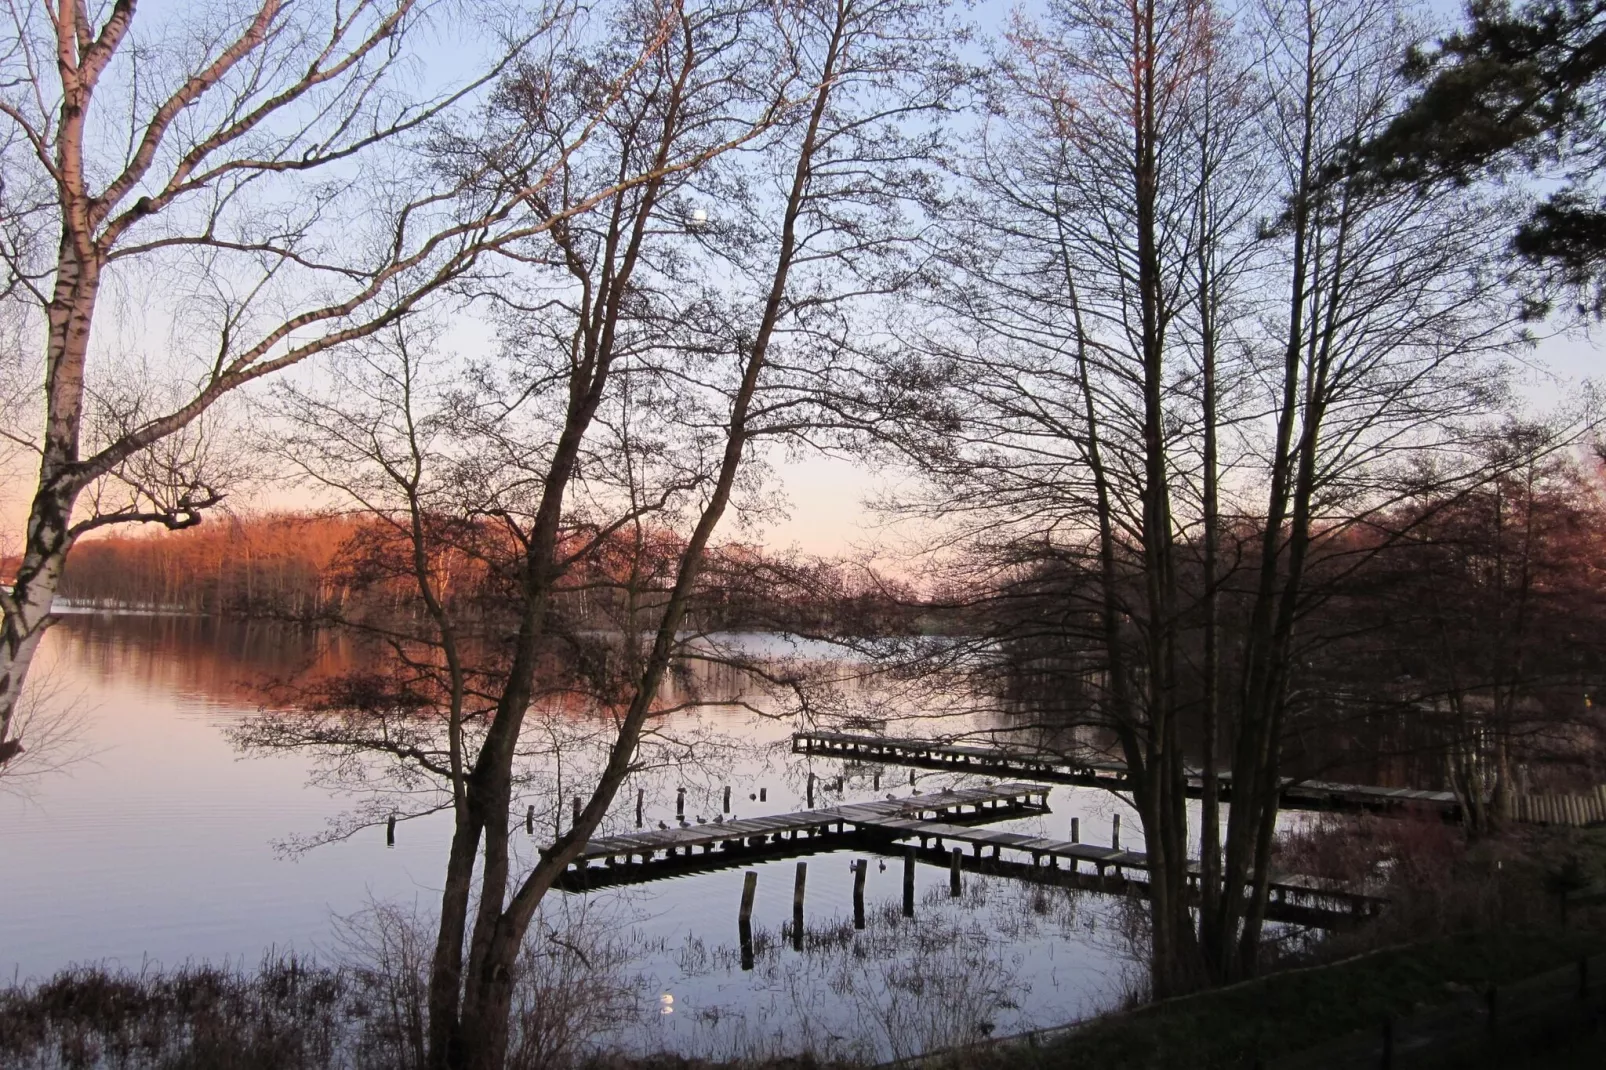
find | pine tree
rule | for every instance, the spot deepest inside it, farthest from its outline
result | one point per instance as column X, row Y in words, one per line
column 1517, row 91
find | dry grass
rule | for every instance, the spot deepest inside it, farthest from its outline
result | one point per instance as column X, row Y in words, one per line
column 366, row 1013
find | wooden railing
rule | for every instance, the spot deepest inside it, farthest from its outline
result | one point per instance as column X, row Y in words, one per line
column 1574, row 810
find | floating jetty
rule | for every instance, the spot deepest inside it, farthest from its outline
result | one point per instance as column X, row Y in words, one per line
column 938, row 821
column 1301, row 899
column 1099, row 772
column 738, row 838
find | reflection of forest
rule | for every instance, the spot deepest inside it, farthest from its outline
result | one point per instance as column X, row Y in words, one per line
column 230, row 661
column 1352, row 737
column 245, row 662
column 1391, row 738
column 1448, row 641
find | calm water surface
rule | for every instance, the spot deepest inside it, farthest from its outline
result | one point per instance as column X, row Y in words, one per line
column 165, row 845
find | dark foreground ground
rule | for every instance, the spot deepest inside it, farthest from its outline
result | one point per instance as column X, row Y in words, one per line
column 1332, row 1016
column 1588, row 1052
column 1320, row 1018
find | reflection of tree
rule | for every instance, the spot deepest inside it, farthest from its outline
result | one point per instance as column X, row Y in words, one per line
column 1479, row 630
column 229, row 661
column 52, row 715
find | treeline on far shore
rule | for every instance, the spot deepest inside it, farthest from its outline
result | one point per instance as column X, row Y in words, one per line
column 277, row 563
column 313, row 567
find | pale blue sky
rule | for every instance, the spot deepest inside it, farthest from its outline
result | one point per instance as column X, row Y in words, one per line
column 829, row 514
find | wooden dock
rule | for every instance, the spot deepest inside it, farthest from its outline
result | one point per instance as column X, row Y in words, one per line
column 1309, row 894
column 1099, row 772
column 939, row 821
column 739, row 838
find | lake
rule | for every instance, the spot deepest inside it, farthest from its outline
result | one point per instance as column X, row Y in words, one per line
column 163, row 844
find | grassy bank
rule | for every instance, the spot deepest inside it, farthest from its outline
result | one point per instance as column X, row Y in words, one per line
column 1289, row 1012
column 292, row 1017
column 1460, row 920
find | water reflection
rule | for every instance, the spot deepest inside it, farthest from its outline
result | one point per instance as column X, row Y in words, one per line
column 163, row 849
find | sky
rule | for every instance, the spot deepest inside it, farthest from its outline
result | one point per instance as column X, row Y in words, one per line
column 830, row 498
column 829, row 510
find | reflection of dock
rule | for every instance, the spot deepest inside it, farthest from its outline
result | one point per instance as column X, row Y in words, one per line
column 1097, row 773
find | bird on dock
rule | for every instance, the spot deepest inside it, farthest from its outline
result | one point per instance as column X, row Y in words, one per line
column 751, row 797
column 891, row 796
column 719, row 819
column 883, row 865
column 914, row 791
column 700, row 820
column 662, row 826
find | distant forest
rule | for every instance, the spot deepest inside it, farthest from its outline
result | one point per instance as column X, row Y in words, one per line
column 311, row 568
column 279, row 562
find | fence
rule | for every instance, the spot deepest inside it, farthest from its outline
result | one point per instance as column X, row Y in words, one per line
column 1577, row 810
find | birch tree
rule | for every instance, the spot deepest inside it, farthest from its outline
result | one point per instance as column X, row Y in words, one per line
column 245, row 178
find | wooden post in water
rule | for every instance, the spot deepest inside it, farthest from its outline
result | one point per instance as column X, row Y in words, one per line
column 744, row 919
column 954, row 885
column 390, row 831
column 797, row 906
column 877, row 781
column 641, row 799
column 1076, row 830
column 727, row 798
column 749, row 890
column 911, row 778
column 680, row 804
column 909, row 882
column 1115, row 833
column 811, row 791
column 763, row 794
column 529, row 820
column 859, row 869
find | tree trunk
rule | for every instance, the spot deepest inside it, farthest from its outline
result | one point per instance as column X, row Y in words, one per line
column 484, row 1022
column 1210, row 783
column 446, row 969
column 26, row 606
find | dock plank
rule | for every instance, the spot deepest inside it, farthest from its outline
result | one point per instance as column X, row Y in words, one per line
column 1089, row 771
column 710, row 834
column 1046, row 848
